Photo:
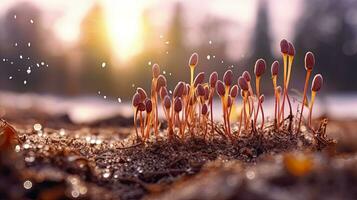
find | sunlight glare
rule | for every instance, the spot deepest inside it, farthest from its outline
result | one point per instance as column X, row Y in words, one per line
column 125, row 28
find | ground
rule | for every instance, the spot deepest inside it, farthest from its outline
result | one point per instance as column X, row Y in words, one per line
column 103, row 160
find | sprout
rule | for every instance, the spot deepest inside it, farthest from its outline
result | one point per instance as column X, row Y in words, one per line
column 212, row 81
column 135, row 102
column 278, row 95
column 148, row 108
column 244, row 87
column 315, row 87
column 287, row 73
column 309, row 64
column 260, row 106
column 192, row 63
column 204, row 112
column 259, row 70
column 167, row 106
column 178, row 108
column 141, row 109
column 274, row 75
column 142, row 93
column 221, row 91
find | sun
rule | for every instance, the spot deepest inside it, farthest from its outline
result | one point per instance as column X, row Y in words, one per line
column 125, row 27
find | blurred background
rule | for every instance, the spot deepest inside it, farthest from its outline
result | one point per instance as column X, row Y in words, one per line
column 106, row 48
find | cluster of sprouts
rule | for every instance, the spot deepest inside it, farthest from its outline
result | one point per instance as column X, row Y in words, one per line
column 189, row 110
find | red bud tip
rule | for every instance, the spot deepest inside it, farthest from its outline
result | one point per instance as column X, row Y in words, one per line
column 291, row 50
column 206, row 93
column 148, row 105
column 242, row 82
column 284, row 46
column 234, row 91
column 167, row 102
column 193, row 60
column 275, row 68
column 204, row 110
column 213, row 79
column 220, row 88
column 178, row 104
column 309, row 60
column 187, row 90
column 161, row 82
column 199, row 79
column 260, row 67
column 141, row 106
column 179, row 89
column 155, row 70
column 142, row 93
column 317, row 83
column 228, row 78
column 246, row 76
column 163, row 93
column 136, row 100
column 200, row 90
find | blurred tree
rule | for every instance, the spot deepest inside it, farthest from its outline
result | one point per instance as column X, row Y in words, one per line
column 96, row 50
column 328, row 28
column 261, row 42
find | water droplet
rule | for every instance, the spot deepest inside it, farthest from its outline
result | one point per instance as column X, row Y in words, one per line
column 26, row 146
column 10, row 77
column 37, row 127
column 208, row 57
column 167, row 52
column 170, row 91
column 103, row 64
column 29, row 159
column 3, row 60
column 170, row 74
column 140, row 170
column 31, row 21
column 98, row 92
column 106, row 175
column 27, row 185
column 62, row 132
column 250, row 175
column 38, row 65
column 15, row 16
column 17, row 148
column 164, row 72
column 29, row 44
column 119, row 99
column 25, row 82
column 20, row 56
column 42, row 63
column 149, row 63
column 75, row 193
column 210, row 42
column 161, row 36
column 15, row 44
column 105, row 97
column 167, row 42
column 28, row 70
column 222, row 61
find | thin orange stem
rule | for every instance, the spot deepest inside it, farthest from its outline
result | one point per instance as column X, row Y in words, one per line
column 304, row 98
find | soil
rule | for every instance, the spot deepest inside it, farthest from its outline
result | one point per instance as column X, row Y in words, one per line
column 61, row 160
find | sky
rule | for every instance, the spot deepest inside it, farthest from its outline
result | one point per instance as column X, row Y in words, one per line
column 123, row 19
